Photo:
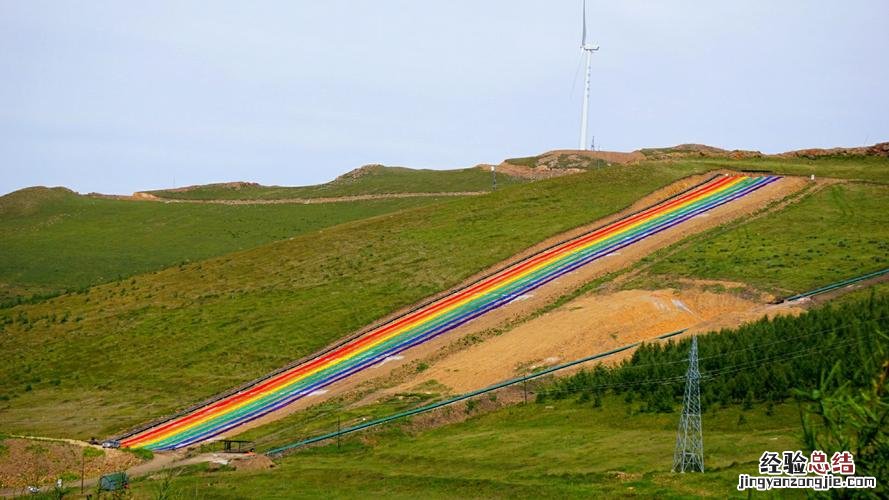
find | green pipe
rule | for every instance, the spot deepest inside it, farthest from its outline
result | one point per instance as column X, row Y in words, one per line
column 838, row 284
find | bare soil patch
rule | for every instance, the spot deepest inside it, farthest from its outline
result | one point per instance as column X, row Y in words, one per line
column 560, row 162
column 585, row 326
column 253, row 462
column 26, row 462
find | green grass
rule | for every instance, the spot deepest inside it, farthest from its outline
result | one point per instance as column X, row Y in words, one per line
column 375, row 179
column 866, row 168
column 116, row 355
column 89, row 452
column 838, row 232
column 561, row 449
column 55, row 240
column 327, row 416
column 567, row 444
column 141, row 453
column 527, row 161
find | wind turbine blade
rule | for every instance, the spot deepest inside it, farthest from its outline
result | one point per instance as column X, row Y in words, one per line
column 583, row 36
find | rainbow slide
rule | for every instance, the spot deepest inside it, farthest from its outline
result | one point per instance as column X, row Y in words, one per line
column 437, row 317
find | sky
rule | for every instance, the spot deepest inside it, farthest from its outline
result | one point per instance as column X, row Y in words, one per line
column 117, row 97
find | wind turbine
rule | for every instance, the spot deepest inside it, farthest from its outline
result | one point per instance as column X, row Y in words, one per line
column 588, row 50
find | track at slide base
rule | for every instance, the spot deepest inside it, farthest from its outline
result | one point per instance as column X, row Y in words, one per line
column 438, row 317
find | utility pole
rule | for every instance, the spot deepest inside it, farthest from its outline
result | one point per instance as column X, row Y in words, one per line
column 338, row 430
column 82, row 469
column 493, row 178
column 689, row 453
column 593, row 146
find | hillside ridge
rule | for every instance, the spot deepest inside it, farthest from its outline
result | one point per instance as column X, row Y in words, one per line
column 28, row 200
column 553, row 163
column 569, row 161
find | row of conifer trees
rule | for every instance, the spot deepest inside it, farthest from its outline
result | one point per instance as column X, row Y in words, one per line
column 769, row 360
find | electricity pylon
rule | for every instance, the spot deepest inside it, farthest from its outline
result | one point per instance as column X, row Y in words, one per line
column 689, row 454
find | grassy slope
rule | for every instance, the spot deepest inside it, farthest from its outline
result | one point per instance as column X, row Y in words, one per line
column 97, row 362
column 838, row 232
column 560, row 448
column 377, row 180
column 54, row 239
column 563, row 449
column 867, row 168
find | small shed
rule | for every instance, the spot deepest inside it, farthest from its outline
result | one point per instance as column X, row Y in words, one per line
column 237, row 446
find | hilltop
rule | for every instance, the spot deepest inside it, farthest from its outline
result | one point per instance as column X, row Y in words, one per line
column 380, row 181
column 29, row 201
column 802, row 162
column 366, row 180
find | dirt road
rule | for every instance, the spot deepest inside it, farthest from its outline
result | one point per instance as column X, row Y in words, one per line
column 139, row 196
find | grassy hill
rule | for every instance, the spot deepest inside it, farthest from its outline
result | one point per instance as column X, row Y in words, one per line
column 873, row 169
column 776, row 357
column 97, row 361
column 834, row 233
column 55, row 239
column 563, row 449
column 598, row 432
column 95, row 358
column 367, row 180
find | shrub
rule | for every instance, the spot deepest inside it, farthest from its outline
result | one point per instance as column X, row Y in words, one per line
column 143, row 453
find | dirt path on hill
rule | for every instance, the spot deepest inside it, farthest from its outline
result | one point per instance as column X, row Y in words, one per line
column 140, row 196
column 35, row 461
column 530, row 345
column 133, row 467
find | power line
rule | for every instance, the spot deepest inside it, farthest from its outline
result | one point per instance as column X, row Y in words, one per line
column 706, row 375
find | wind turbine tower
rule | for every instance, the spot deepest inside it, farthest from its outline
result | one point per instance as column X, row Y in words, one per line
column 588, row 50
